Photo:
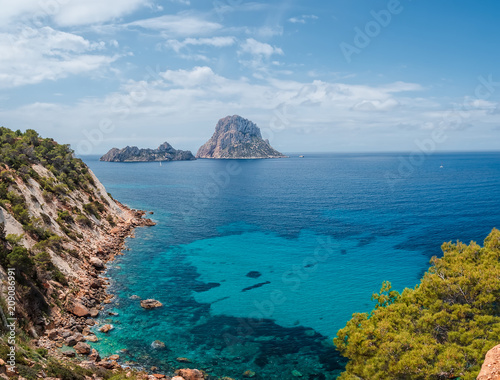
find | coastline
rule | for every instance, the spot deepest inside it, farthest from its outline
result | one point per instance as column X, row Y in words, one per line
column 70, row 326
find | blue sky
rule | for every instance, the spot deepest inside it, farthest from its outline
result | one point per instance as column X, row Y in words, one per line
column 337, row 76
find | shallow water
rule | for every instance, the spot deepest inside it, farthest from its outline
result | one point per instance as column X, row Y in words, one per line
column 258, row 263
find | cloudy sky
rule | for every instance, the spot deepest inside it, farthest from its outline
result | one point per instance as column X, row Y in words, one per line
column 330, row 76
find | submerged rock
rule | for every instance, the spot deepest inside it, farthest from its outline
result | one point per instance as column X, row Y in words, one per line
column 249, row 374
column 158, row 345
column 106, row 328
column 296, row 373
column 254, row 274
column 91, row 338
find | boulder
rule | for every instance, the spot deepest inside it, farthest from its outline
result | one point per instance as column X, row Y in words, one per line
column 106, row 364
column 91, row 338
column 71, row 341
column 150, row 304
column 52, row 334
column 183, row 360
column 190, row 374
column 94, row 355
column 106, row 328
column 88, row 365
column 491, row 366
column 79, row 310
column 82, row 348
column 96, row 262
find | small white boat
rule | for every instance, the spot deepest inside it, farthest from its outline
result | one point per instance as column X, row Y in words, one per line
column 301, row 156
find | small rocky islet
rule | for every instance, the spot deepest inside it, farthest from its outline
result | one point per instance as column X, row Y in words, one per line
column 234, row 138
column 237, row 138
column 165, row 152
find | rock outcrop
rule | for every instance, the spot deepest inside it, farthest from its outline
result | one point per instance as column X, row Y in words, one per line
column 165, row 152
column 491, row 366
column 237, row 138
column 151, row 304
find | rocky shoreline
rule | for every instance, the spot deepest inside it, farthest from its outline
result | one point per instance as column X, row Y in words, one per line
column 70, row 329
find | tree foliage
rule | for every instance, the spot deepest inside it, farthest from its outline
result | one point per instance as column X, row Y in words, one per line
column 441, row 329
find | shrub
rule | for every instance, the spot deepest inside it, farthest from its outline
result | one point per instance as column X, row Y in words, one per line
column 83, row 220
column 442, row 329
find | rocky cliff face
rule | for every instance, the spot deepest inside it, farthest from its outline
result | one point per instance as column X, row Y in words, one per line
column 491, row 366
column 237, row 138
column 165, row 152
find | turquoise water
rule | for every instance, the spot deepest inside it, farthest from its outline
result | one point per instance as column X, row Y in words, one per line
column 259, row 263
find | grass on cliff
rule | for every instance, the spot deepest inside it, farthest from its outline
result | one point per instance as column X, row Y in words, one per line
column 441, row 329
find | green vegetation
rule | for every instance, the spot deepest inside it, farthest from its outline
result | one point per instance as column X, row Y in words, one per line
column 442, row 329
column 19, row 151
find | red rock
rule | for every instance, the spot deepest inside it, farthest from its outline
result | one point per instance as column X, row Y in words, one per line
column 106, row 328
column 159, row 375
column 491, row 366
column 94, row 355
column 190, row 374
column 79, row 310
column 151, row 304
column 82, row 348
column 94, row 313
column 107, row 365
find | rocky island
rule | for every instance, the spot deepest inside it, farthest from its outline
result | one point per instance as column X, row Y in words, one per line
column 237, row 138
column 165, row 152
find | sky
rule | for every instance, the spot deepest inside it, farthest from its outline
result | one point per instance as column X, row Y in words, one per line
column 315, row 76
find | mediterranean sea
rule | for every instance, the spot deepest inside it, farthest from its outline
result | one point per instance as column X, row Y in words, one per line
column 258, row 263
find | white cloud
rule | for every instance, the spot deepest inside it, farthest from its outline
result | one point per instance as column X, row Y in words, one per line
column 302, row 19
column 289, row 112
column 36, row 55
column 376, row 105
column 219, row 42
column 178, row 25
column 67, row 13
column 255, row 47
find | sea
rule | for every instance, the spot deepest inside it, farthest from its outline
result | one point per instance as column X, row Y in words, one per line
column 258, row 263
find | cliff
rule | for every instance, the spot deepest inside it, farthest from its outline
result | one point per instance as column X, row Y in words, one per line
column 237, row 138
column 165, row 152
column 58, row 228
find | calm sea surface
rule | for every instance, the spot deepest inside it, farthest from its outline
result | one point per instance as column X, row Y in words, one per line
column 258, row 263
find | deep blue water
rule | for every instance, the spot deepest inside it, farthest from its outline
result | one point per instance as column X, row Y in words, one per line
column 260, row 262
